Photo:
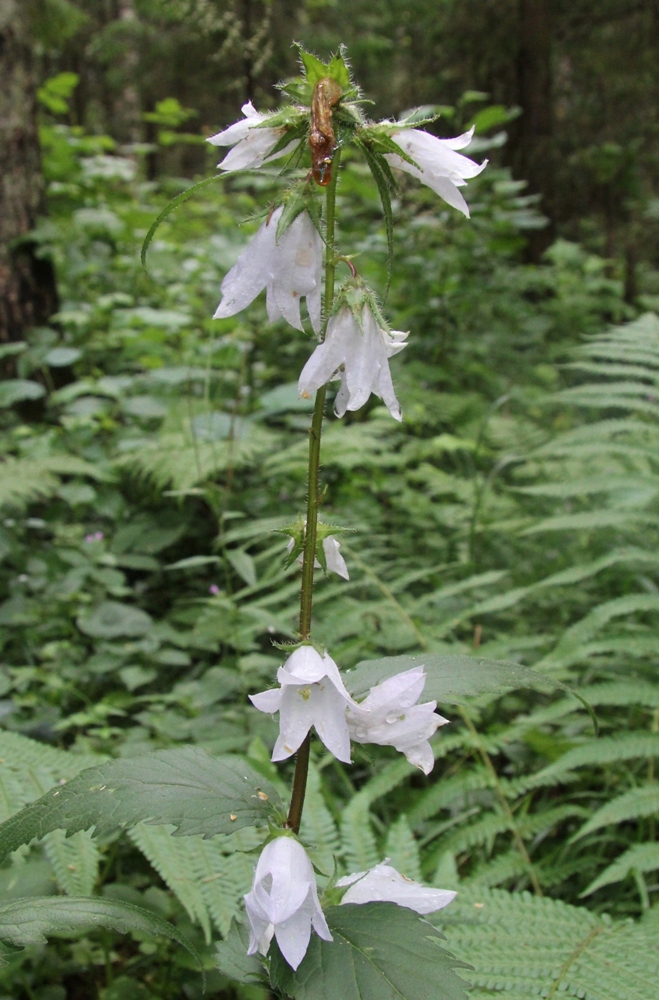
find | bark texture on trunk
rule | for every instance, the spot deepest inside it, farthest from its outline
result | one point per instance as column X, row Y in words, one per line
column 28, row 295
column 534, row 134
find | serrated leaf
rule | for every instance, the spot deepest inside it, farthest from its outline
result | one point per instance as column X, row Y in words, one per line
column 450, row 679
column 233, row 960
column 380, row 951
column 30, row 921
column 186, row 787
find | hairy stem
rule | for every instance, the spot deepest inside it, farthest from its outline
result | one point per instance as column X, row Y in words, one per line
column 313, row 501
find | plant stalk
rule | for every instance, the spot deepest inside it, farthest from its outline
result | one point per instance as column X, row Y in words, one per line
column 313, row 498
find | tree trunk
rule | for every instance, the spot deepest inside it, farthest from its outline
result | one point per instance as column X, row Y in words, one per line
column 533, row 140
column 129, row 108
column 28, row 295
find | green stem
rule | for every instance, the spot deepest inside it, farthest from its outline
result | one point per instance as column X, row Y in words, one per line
column 313, row 500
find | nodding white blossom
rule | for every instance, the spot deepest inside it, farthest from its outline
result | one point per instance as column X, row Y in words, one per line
column 440, row 167
column 359, row 356
column 383, row 884
column 312, row 693
column 390, row 716
column 283, row 902
column 287, row 268
column 333, row 558
column 252, row 146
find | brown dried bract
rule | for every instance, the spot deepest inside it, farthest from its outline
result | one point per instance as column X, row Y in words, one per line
column 322, row 141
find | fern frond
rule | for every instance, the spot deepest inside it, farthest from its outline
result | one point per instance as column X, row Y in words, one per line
column 403, row 849
column 358, row 845
column 23, row 480
column 638, row 802
column 640, row 858
column 74, row 861
column 524, row 946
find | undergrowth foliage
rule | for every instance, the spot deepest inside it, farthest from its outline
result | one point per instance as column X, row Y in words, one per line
column 502, row 538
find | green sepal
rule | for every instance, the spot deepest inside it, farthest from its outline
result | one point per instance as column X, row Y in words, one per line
column 314, row 69
column 355, row 294
column 385, row 183
column 378, row 138
column 300, row 197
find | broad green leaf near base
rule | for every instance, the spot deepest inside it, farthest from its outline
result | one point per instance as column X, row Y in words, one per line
column 186, row 787
column 31, row 921
column 380, row 951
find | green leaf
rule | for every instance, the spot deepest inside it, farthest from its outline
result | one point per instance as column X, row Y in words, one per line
column 168, row 209
column 233, row 960
column 380, row 951
column 197, row 793
column 112, row 619
column 17, row 390
column 60, row 357
column 30, row 921
column 450, row 679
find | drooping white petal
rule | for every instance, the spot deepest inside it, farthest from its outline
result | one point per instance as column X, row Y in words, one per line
column 289, row 269
column 283, row 901
column 252, row 145
column 389, row 716
column 359, row 356
column 440, row 167
column 333, row 558
column 312, row 694
column 335, row 561
column 384, row 884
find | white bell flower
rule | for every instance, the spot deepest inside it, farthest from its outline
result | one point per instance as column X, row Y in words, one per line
column 333, row 558
column 287, row 268
column 312, row 693
column 390, row 716
column 283, row 902
column 383, row 884
column 440, row 167
column 359, row 356
column 252, row 145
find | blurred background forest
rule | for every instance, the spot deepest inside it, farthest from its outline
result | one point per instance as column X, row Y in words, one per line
column 150, row 453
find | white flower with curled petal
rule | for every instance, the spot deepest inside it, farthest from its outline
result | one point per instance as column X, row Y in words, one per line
column 252, row 146
column 288, row 269
column 283, row 902
column 312, row 693
column 359, row 355
column 439, row 165
column 333, row 559
column 383, row 884
column 390, row 716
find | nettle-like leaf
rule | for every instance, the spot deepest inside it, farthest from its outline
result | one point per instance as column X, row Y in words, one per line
column 454, row 679
column 32, row 920
column 196, row 793
column 380, row 951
